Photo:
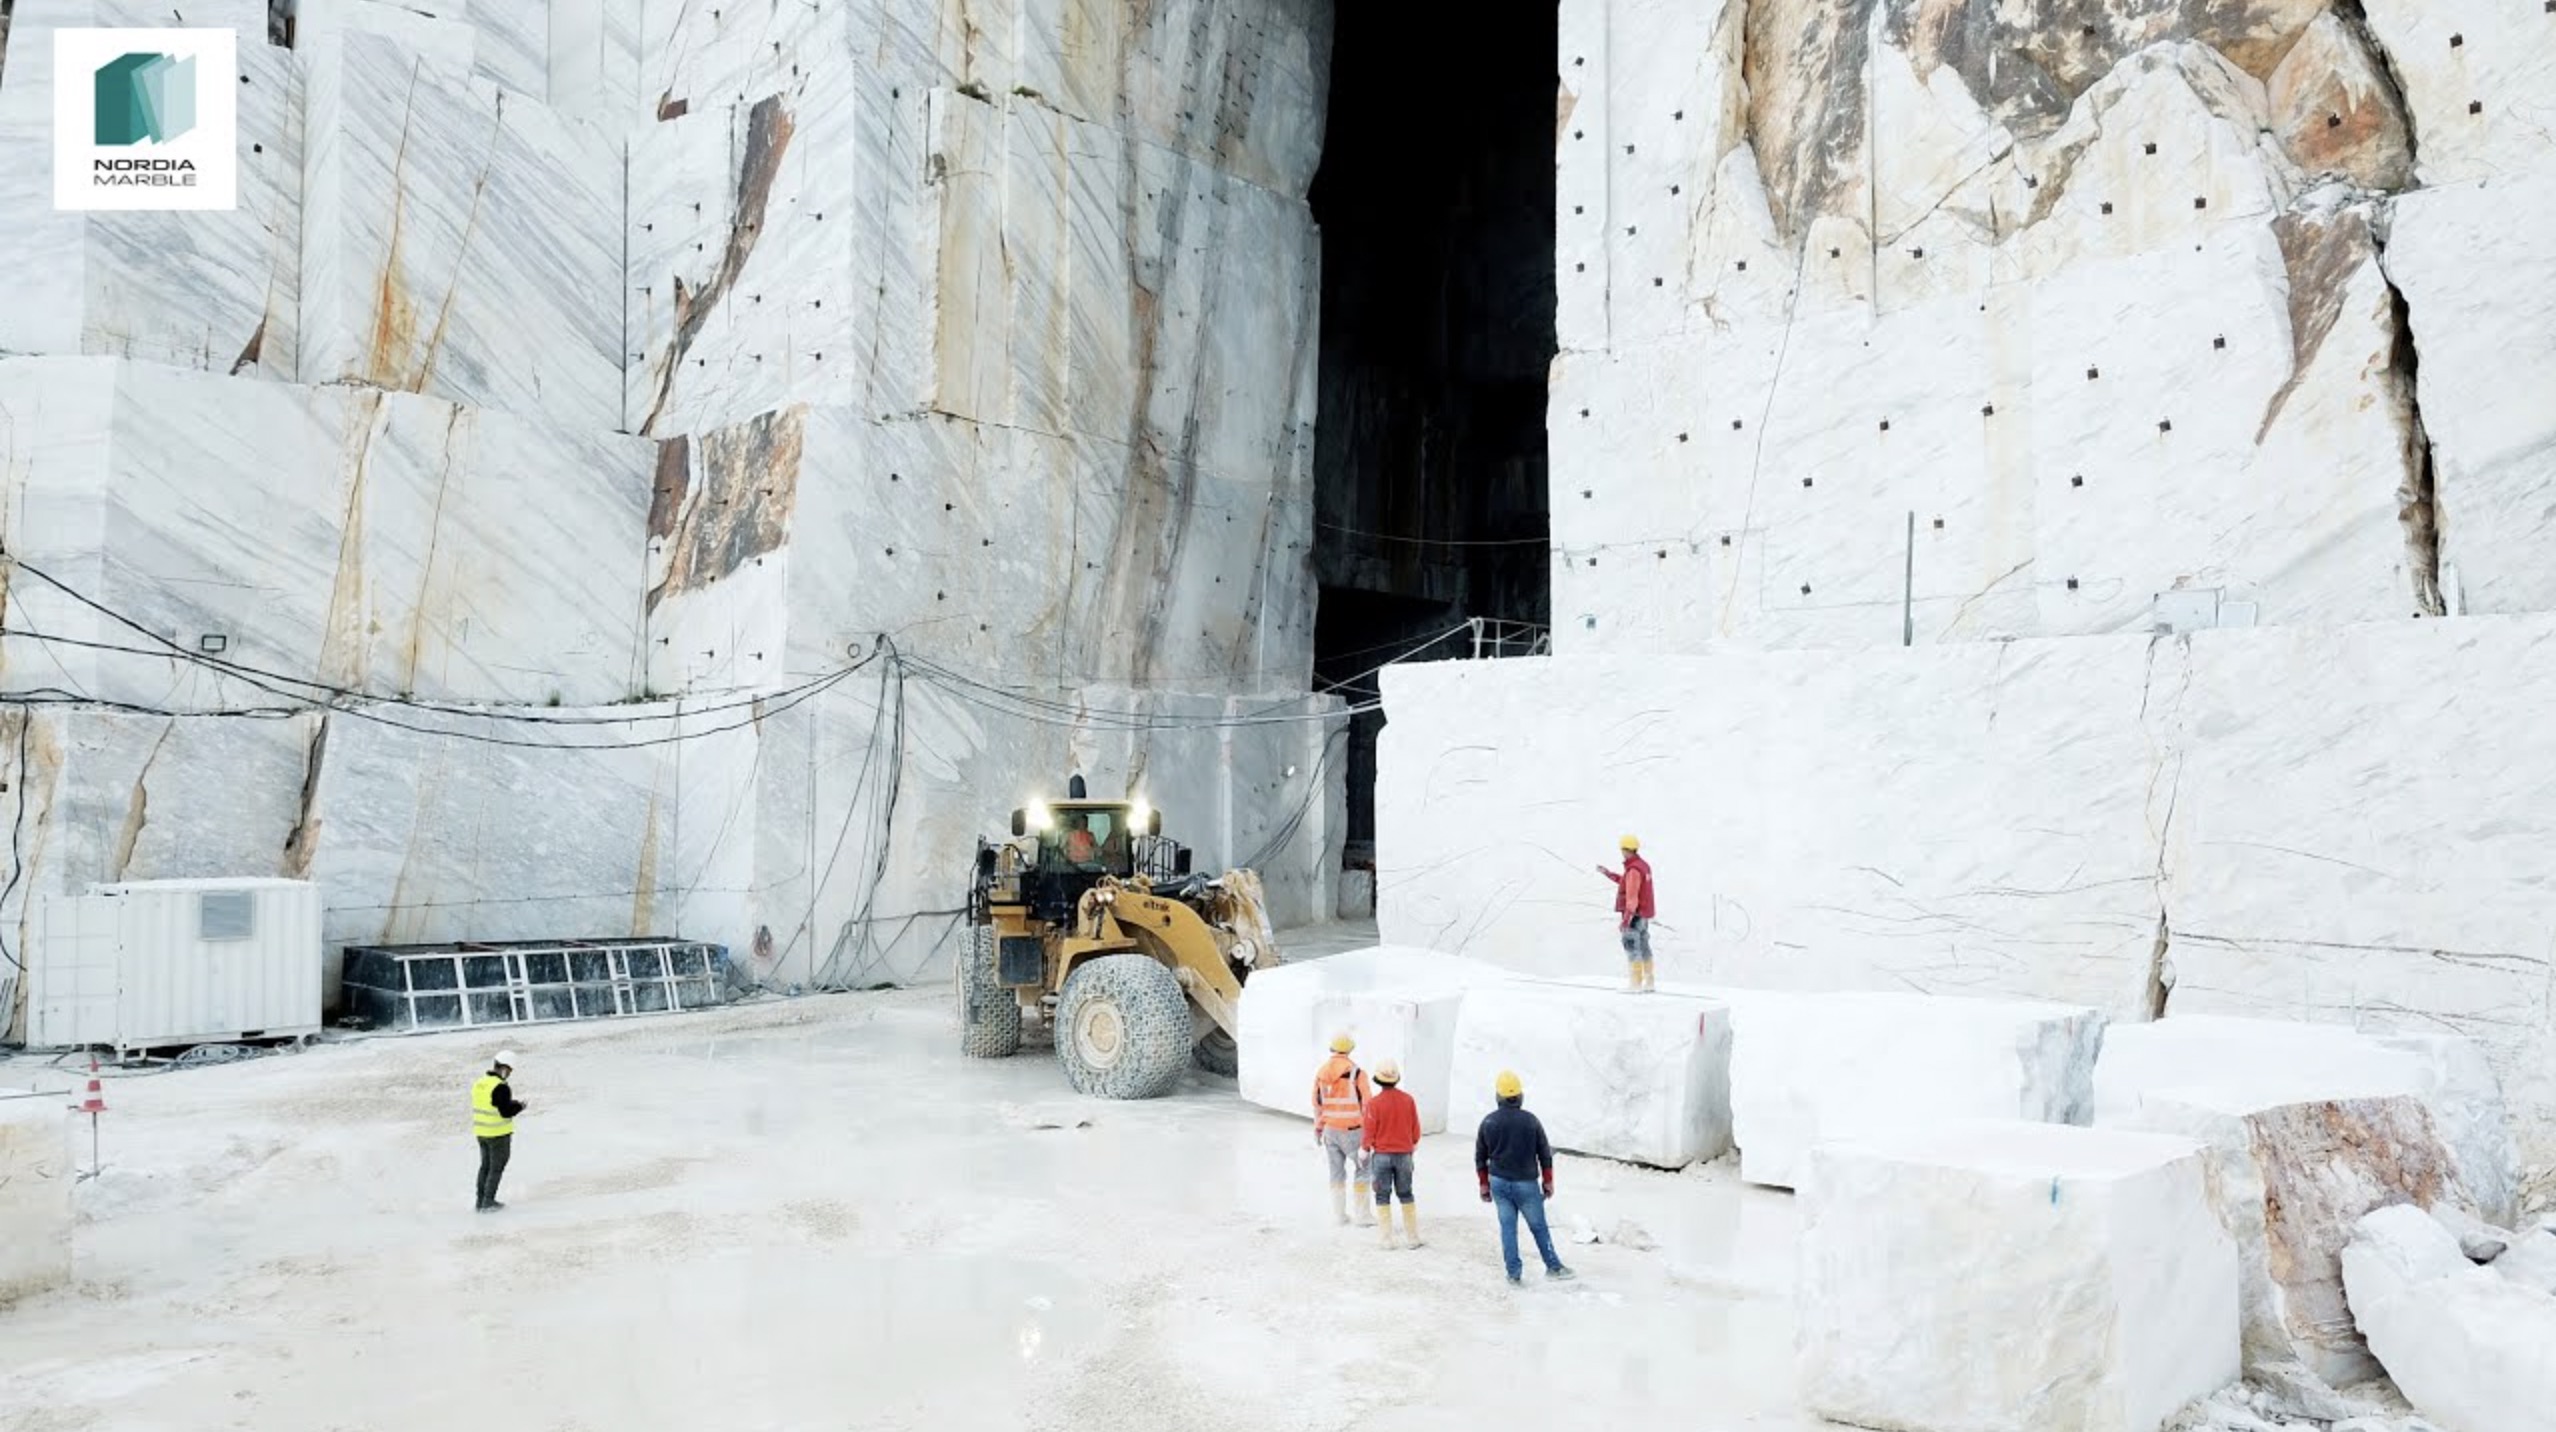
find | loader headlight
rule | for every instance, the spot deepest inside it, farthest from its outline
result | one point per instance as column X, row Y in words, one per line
column 1037, row 817
column 1140, row 817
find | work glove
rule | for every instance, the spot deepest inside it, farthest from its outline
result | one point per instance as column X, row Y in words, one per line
column 1548, row 1183
column 1486, row 1186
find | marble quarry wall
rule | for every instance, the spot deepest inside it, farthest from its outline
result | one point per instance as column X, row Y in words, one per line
column 2047, row 501
column 643, row 466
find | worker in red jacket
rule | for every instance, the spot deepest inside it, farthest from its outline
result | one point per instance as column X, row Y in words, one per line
column 1392, row 1133
column 1634, row 907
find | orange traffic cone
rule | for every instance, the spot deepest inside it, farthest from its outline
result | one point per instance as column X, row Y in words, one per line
column 92, row 1103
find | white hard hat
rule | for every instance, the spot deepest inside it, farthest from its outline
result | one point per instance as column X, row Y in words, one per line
column 505, row 1057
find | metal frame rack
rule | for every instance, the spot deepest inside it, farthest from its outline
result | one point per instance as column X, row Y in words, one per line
column 469, row 984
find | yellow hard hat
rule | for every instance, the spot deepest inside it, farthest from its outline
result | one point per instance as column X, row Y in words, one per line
column 1388, row 1073
column 1507, row 1085
column 1342, row 1044
column 1629, row 843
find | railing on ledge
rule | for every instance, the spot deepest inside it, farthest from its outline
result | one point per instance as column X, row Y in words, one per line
column 1493, row 637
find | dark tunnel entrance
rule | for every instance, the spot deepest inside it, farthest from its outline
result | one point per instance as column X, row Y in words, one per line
column 1435, row 198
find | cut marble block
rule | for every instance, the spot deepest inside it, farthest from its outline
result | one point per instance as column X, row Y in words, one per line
column 2004, row 1277
column 2295, row 1060
column 2291, row 1179
column 36, row 1173
column 1807, row 1068
column 2467, row 1348
column 458, row 240
column 212, row 290
column 1641, row 1078
column 1399, row 1003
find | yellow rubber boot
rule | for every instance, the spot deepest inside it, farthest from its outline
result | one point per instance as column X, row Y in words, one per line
column 1384, row 1225
column 1340, row 1204
column 1410, row 1226
column 1364, row 1199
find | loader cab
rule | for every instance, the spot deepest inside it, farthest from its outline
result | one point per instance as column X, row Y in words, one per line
column 1078, row 840
column 1088, row 838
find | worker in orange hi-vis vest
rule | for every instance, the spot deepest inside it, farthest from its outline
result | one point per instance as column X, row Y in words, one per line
column 1340, row 1116
column 1635, row 904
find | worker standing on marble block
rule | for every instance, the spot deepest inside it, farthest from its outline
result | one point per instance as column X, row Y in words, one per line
column 1340, row 1116
column 1634, row 907
column 1514, row 1162
column 493, row 1107
column 1390, row 1136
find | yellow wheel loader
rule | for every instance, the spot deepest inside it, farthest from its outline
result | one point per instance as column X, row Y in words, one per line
column 1090, row 920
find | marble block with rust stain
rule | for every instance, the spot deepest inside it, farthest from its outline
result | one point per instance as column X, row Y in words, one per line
column 2293, row 1178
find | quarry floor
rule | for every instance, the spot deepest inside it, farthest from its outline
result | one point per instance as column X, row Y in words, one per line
column 812, row 1213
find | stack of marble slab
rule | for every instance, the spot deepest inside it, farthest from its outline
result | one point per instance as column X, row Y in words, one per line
column 2292, row 1175
column 1644, row 1079
column 1398, row 1002
column 35, row 1195
column 2012, row 1277
column 1810, row 1067
column 2449, row 1074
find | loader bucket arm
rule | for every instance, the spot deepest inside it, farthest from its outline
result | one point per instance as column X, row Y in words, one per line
column 1174, row 933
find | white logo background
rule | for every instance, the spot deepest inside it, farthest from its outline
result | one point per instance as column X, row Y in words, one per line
column 213, row 145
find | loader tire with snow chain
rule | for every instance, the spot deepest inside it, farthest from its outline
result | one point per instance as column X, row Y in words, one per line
column 1217, row 1055
column 1122, row 1028
column 989, row 1015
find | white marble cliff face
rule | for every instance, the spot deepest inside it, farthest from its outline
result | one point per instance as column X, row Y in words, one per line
column 456, row 241
column 2108, row 320
column 1051, row 432
column 364, row 540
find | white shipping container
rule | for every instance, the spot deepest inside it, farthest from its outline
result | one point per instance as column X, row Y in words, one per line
column 147, row 963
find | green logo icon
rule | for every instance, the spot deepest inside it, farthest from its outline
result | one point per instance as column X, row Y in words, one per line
column 145, row 97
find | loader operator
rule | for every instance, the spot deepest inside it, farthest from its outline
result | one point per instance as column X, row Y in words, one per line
column 493, row 1107
column 1340, row 1115
column 1635, row 904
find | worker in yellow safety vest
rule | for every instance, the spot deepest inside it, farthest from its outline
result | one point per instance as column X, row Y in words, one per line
column 1340, row 1115
column 493, row 1107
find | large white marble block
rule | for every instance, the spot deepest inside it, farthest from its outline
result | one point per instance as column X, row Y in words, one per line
column 1811, row 1067
column 1641, row 1078
column 2012, row 1277
column 2291, row 1178
column 2467, row 1348
column 36, row 1173
column 1397, row 1003
column 2279, row 1058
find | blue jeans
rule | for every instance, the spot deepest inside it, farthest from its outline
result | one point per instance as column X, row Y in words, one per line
column 1514, row 1196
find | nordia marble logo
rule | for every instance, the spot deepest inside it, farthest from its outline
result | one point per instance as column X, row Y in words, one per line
column 145, row 119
